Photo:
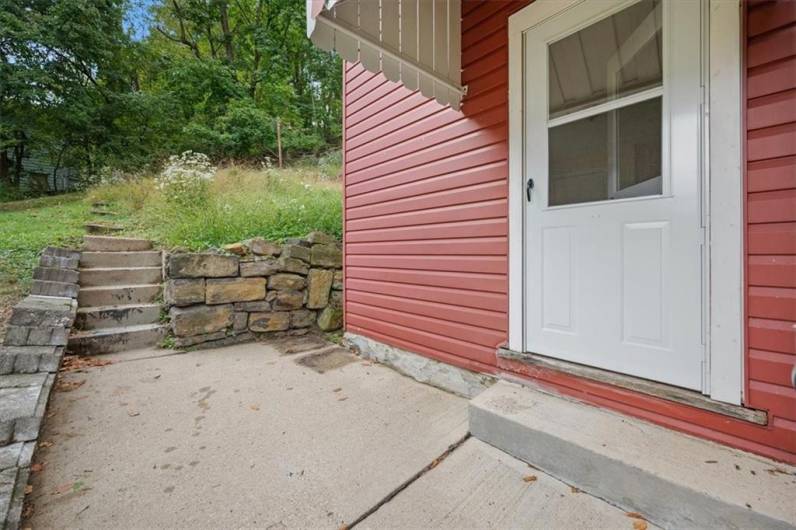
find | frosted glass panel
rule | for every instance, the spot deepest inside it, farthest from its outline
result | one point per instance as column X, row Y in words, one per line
column 614, row 57
column 613, row 155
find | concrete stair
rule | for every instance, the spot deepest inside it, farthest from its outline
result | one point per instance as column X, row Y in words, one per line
column 118, row 295
column 114, row 316
column 141, row 258
column 115, row 244
column 674, row 480
column 120, row 284
column 102, row 228
column 110, row 340
column 104, row 276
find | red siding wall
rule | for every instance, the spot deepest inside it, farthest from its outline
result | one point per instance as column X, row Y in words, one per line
column 426, row 208
column 771, row 209
column 426, row 224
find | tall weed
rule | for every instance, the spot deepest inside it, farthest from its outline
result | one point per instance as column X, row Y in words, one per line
column 241, row 203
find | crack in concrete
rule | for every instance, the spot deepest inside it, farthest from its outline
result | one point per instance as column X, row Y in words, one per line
column 411, row 480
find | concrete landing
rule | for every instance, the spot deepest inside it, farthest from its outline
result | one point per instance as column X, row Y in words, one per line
column 479, row 486
column 242, row 436
column 676, row 480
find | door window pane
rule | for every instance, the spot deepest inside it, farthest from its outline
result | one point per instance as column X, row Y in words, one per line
column 612, row 155
column 614, row 57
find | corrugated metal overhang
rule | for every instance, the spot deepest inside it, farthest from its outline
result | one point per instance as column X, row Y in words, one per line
column 414, row 42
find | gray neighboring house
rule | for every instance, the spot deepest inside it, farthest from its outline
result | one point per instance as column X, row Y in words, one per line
column 40, row 175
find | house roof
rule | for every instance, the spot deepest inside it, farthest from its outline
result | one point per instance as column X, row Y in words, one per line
column 416, row 43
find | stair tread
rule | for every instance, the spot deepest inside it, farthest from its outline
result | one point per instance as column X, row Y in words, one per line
column 116, row 331
column 91, row 309
column 132, row 269
column 116, row 252
column 113, row 287
column 116, row 238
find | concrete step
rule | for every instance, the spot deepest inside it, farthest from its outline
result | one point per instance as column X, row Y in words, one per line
column 115, row 316
column 118, row 295
column 103, row 212
column 109, row 340
column 115, row 244
column 102, row 228
column 112, row 276
column 146, row 258
column 675, row 480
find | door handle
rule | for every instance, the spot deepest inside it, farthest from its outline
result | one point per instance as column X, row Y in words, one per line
column 529, row 189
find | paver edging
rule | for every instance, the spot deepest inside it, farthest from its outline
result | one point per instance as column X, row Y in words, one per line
column 31, row 354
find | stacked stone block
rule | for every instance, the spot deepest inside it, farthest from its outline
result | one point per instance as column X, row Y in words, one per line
column 256, row 287
column 33, row 347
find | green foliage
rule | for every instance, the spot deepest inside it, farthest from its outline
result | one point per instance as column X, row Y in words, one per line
column 211, row 76
column 242, row 203
column 26, row 227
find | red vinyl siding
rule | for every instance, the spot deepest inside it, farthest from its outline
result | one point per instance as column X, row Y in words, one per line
column 426, row 205
column 771, row 211
column 426, row 236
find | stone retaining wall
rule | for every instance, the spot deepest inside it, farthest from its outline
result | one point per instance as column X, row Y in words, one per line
column 255, row 287
column 34, row 344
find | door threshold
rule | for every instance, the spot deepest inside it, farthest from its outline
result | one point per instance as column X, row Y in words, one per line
column 644, row 386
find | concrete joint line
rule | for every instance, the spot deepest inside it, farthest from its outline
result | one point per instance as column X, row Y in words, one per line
column 390, row 496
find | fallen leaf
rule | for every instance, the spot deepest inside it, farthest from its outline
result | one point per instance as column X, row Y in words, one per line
column 44, row 445
column 342, row 398
column 28, row 489
column 254, row 407
column 338, row 389
column 639, row 525
column 38, row 466
column 636, row 515
column 573, row 489
column 133, row 413
column 71, row 486
column 67, row 386
column 529, row 478
column 73, row 363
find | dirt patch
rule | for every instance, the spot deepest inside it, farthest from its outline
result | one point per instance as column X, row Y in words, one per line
column 327, row 360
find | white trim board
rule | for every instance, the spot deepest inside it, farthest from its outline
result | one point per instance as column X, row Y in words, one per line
column 722, row 182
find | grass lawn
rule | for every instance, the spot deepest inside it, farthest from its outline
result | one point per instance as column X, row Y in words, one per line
column 26, row 227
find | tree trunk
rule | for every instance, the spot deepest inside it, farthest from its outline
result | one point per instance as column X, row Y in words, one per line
column 19, row 155
column 226, row 34
column 5, row 166
column 279, row 141
column 57, row 167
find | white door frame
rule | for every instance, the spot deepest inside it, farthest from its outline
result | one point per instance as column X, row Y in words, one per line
column 721, row 204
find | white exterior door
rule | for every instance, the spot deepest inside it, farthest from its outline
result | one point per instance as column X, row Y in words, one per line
column 614, row 229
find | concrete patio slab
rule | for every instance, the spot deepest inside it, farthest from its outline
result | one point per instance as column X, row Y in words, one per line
column 479, row 486
column 236, row 437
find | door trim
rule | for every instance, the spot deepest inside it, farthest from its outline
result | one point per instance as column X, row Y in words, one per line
column 721, row 204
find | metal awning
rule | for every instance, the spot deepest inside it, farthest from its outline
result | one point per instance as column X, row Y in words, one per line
column 414, row 42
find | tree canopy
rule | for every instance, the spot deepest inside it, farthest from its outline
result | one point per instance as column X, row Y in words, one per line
column 80, row 83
